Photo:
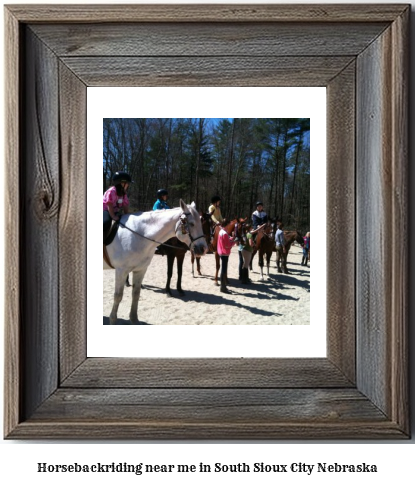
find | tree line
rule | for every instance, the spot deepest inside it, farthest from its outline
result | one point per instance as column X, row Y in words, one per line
column 242, row 160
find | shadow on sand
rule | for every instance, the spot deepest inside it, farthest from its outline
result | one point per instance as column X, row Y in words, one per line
column 274, row 287
column 106, row 321
column 270, row 289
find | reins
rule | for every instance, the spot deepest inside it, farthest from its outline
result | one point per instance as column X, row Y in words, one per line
column 184, row 231
column 152, row 240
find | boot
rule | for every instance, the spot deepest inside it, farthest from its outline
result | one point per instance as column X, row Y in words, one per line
column 223, row 288
column 225, row 279
column 248, row 279
column 245, row 280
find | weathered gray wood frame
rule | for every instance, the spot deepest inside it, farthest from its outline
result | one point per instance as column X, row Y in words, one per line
column 359, row 52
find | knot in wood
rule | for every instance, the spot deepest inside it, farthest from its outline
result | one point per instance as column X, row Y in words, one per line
column 46, row 204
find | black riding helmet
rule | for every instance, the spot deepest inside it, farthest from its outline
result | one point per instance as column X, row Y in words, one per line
column 259, row 203
column 215, row 199
column 121, row 177
column 161, row 193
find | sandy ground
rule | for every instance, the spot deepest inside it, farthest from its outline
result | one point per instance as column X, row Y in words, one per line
column 279, row 299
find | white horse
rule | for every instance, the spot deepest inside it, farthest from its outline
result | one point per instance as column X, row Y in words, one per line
column 136, row 240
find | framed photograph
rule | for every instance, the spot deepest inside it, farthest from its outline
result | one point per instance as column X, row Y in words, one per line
column 266, row 153
column 359, row 390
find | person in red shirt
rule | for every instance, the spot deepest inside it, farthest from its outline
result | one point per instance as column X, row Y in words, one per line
column 115, row 200
column 224, row 246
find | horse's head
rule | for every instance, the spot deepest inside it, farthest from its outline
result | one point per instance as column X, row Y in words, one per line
column 299, row 238
column 236, row 227
column 269, row 230
column 189, row 229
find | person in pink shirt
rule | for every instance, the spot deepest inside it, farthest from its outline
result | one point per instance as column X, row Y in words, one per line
column 224, row 246
column 115, row 200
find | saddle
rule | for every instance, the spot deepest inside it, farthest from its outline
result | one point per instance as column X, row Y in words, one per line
column 109, row 234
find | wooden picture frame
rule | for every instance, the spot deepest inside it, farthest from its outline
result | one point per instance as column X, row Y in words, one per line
column 360, row 53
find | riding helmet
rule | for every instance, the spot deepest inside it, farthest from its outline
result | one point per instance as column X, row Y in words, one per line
column 259, row 203
column 215, row 199
column 161, row 193
column 121, row 177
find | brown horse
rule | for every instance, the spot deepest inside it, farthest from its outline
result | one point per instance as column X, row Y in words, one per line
column 290, row 236
column 177, row 252
column 265, row 245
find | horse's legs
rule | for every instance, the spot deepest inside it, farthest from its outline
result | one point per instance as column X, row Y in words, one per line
column 241, row 265
column 137, row 280
column 199, row 269
column 261, row 263
column 268, row 261
column 170, row 262
column 180, row 260
column 120, row 277
column 192, row 259
column 253, row 254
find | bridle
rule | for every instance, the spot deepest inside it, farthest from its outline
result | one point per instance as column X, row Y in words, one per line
column 269, row 235
column 184, row 224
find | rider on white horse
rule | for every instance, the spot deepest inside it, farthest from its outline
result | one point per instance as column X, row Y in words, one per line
column 115, row 200
column 138, row 235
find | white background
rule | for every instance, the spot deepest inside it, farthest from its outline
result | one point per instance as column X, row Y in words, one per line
column 18, row 460
column 163, row 340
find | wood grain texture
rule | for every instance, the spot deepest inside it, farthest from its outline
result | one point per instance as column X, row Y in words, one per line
column 341, row 309
column 373, row 221
column 181, row 39
column 72, row 222
column 209, row 414
column 205, row 71
column 206, row 13
column 400, row 260
column 52, row 390
column 13, row 270
column 206, row 373
column 382, row 212
column 213, row 431
column 209, row 405
column 41, row 176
